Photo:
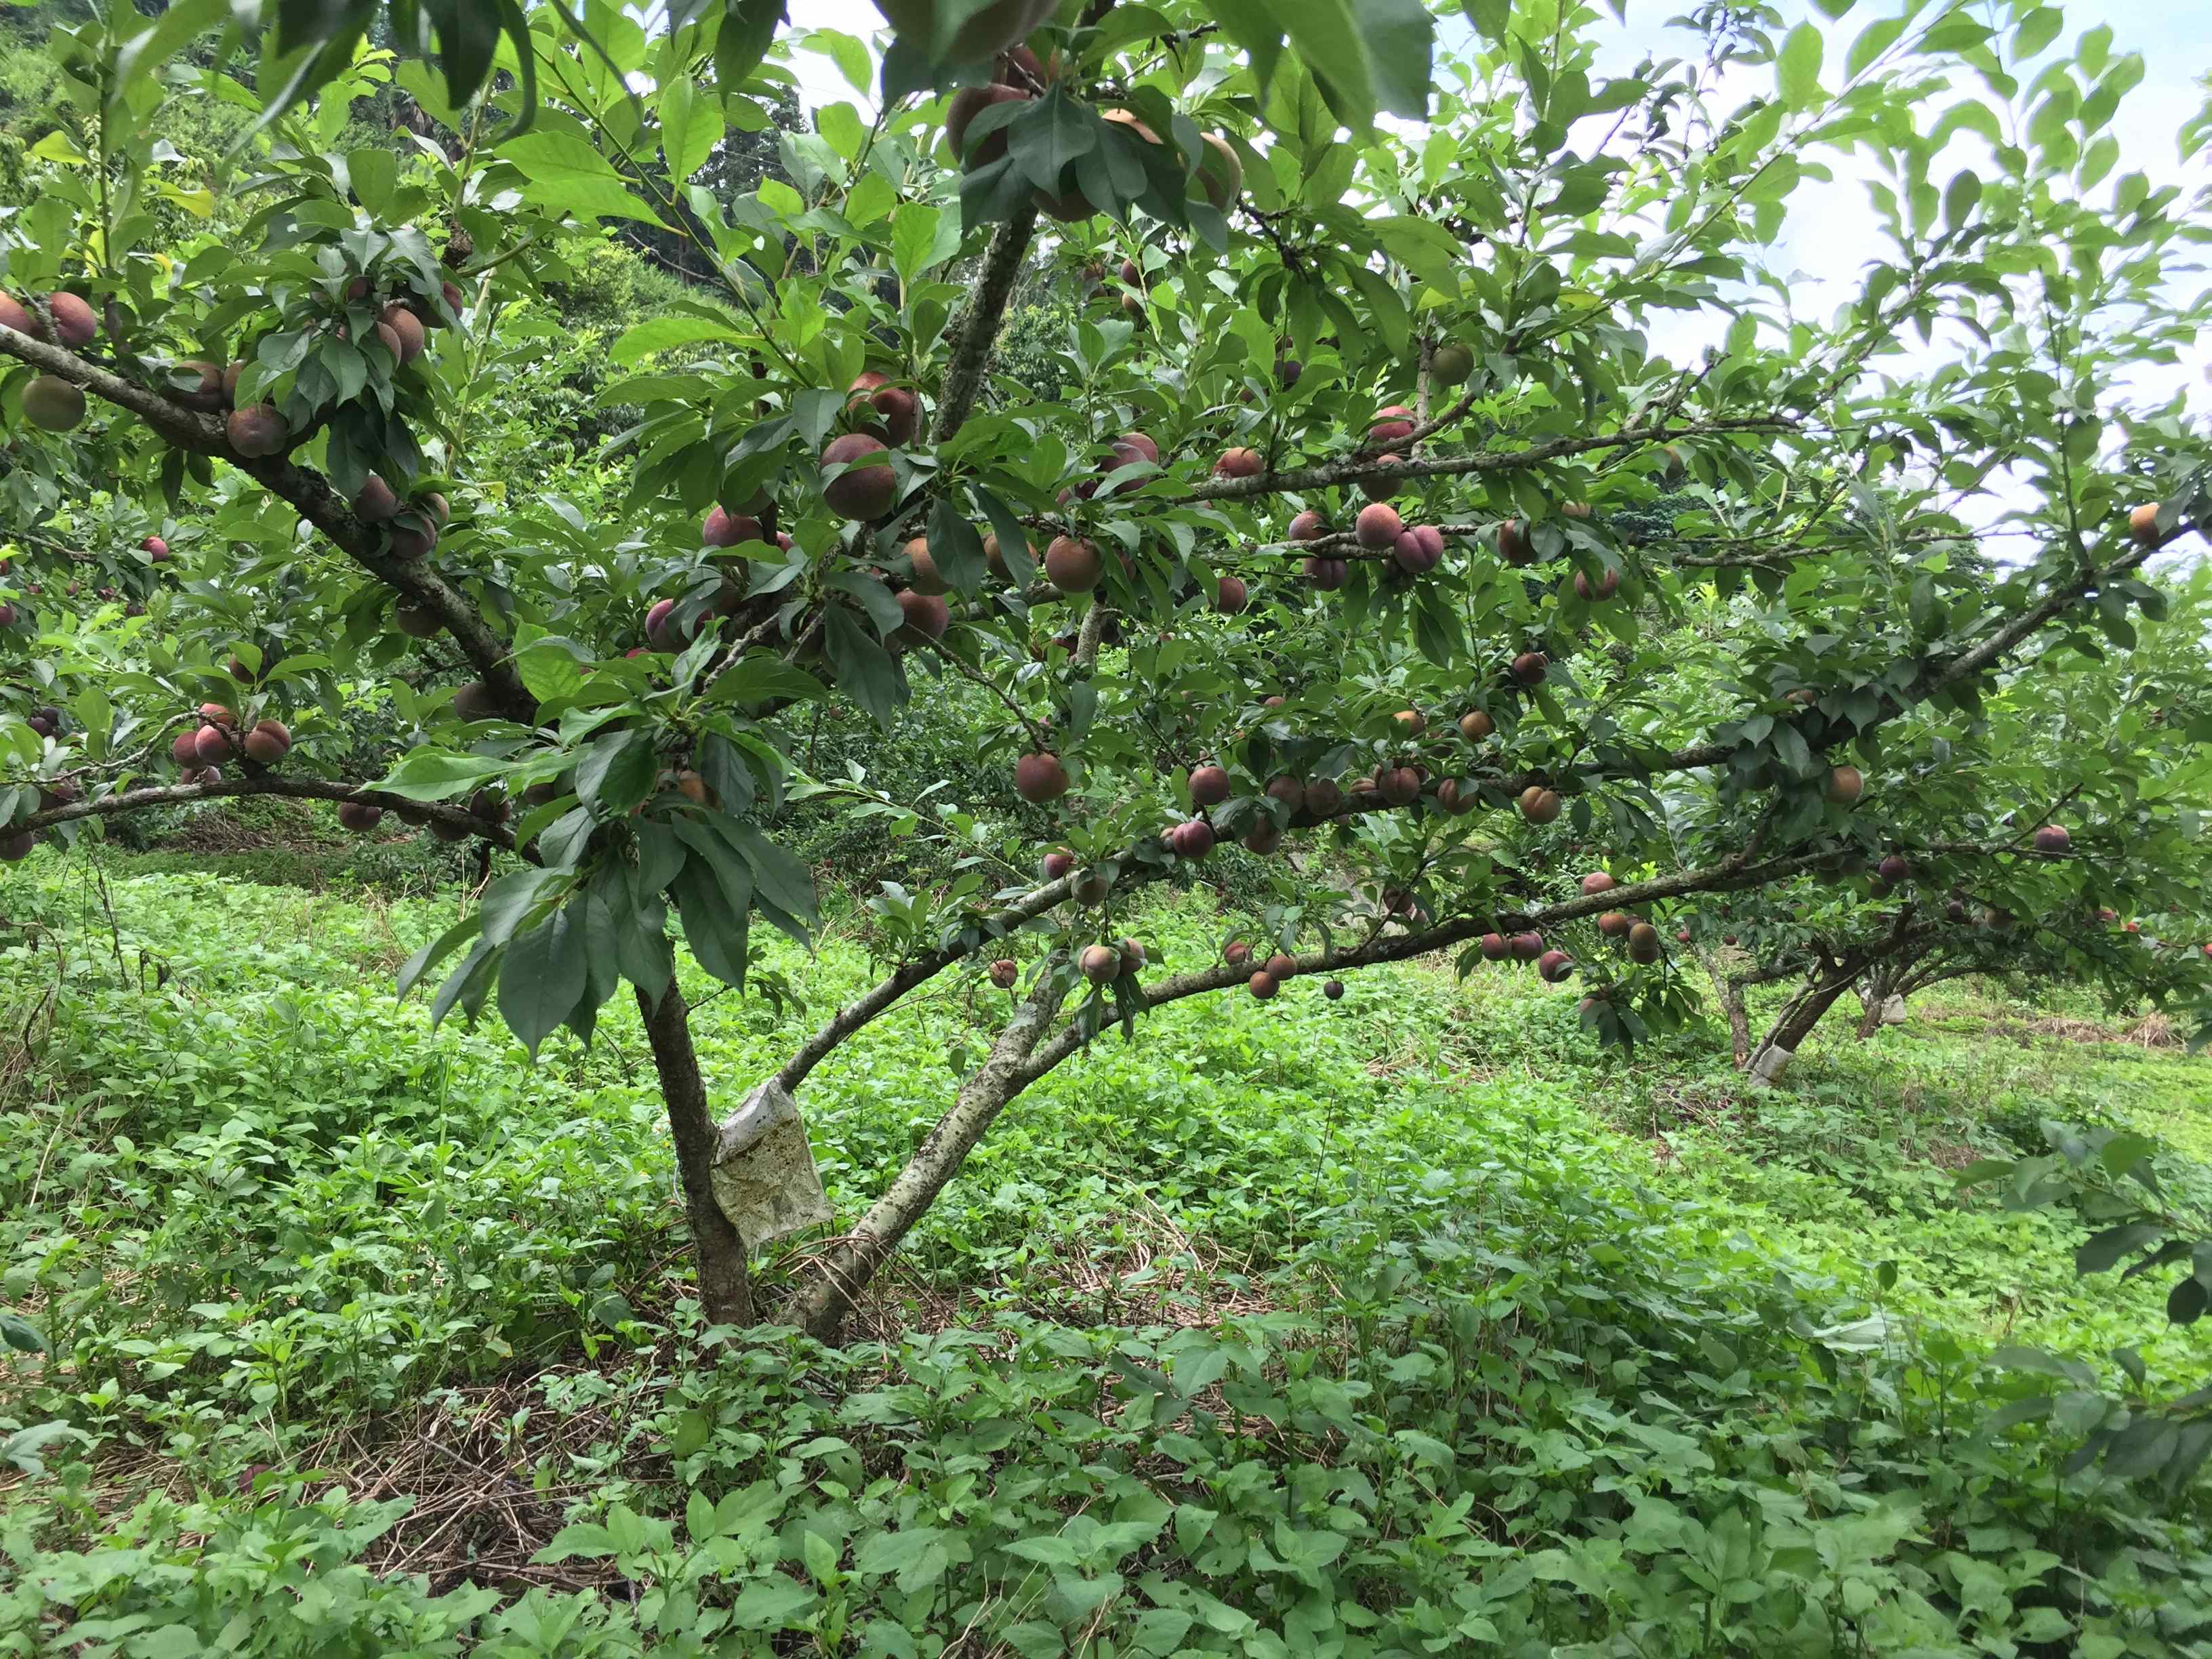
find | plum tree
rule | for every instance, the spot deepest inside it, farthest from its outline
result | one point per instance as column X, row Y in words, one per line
column 1319, row 349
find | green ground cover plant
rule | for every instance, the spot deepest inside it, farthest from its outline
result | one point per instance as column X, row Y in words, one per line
column 1405, row 1323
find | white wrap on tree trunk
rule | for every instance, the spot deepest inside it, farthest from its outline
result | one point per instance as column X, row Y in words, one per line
column 1768, row 1065
column 763, row 1176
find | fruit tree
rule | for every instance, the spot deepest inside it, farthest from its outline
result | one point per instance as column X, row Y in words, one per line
column 1445, row 475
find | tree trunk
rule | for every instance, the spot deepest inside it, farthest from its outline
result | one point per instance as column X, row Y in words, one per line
column 1884, row 1004
column 718, row 1252
column 849, row 1263
column 1739, row 1023
column 1881, row 995
column 1779, row 1046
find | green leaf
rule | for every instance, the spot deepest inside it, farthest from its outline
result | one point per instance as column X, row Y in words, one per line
column 565, row 173
column 666, row 332
column 585, row 1539
column 955, row 548
column 2037, row 31
column 775, row 1602
column 2106, row 1250
column 1326, row 38
column 864, row 669
column 373, row 174
column 644, row 955
column 923, row 237
column 1797, row 67
column 616, row 773
column 785, row 882
column 2185, row 1303
column 764, row 677
column 467, row 984
column 549, row 669
column 1400, row 39
column 542, row 979
column 19, row 1334
column 433, row 774
column 690, row 127
column 1959, row 198
column 748, row 31
column 918, row 1555
column 2124, row 1152
column 723, row 862
column 438, row 949
column 1489, row 17
column 715, row 932
column 162, row 37
column 1052, row 135
column 2016, row 1357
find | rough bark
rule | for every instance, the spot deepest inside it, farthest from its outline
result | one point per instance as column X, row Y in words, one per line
column 1881, row 998
column 850, row 1262
column 718, row 1253
column 1870, row 1008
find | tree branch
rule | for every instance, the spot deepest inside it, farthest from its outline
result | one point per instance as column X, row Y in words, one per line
column 862, row 1009
column 851, row 1261
column 1363, row 469
column 977, row 331
column 310, row 495
column 269, row 783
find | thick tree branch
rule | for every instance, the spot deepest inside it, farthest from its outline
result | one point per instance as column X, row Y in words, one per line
column 718, row 1249
column 851, row 1261
column 310, row 495
column 269, row 783
column 977, row 331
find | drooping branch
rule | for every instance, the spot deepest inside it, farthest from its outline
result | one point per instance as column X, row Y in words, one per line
column 1048, row 896
column 310, row 495
column 1021, row 1057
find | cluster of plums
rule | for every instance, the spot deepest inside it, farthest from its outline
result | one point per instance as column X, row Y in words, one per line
column 201, row 749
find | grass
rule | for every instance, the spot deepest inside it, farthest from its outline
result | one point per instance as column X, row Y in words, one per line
column 1404, row 1324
